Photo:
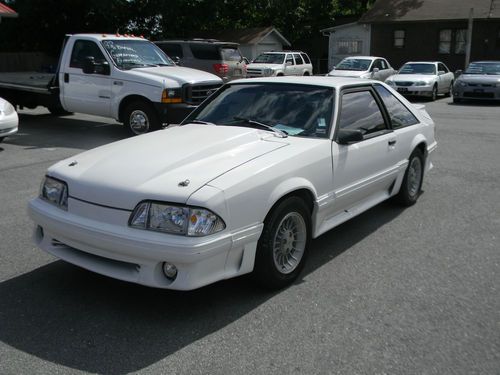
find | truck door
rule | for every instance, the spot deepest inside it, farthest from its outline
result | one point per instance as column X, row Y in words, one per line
column 88, row 92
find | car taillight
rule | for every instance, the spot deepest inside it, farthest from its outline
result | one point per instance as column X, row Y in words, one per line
column 221, row 68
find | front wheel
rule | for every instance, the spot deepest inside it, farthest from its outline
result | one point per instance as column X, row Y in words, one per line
column 412, row 181
column 140, row 118
column 282, row 247
column 434, row 93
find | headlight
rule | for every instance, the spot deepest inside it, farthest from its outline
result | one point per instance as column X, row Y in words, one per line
column 462, row 83
column 7, row 109
column 421, row 83
column 171, row 96
column 390, row 83
column 55, row 192
column 187, row 221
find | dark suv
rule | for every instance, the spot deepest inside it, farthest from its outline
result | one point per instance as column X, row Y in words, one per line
column 221, row 58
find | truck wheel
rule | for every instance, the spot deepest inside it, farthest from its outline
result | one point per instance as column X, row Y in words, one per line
column 140, row 118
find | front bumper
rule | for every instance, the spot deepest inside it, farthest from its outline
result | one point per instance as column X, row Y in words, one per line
column 415, row 90
column 173, row 113
column 98, row 239
column 476, row 92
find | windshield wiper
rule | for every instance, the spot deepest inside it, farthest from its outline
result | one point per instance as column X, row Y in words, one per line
column 280, row 133
column 196, row 121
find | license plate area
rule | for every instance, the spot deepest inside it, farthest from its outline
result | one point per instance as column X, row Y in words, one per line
column 402, row 89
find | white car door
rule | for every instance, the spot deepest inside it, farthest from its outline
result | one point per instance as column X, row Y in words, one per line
column 362, row 171
column 445, row 78
column 86, row 92
column 289, row 65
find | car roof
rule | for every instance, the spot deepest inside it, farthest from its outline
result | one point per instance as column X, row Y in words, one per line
column 364, row 57
column 423, row 62
column 105, row 36
column 486, row 62
column 335, row 82
column 282, row 52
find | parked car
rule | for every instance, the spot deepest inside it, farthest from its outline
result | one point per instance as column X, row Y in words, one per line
column 8, row 119
column 118, row 76
column 423, row 78
column 284, row 63
column 363, row 67
column 221, row 58
column 242, row 185
column 481, row 80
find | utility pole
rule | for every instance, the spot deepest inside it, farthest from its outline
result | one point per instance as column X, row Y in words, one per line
column 469, row 39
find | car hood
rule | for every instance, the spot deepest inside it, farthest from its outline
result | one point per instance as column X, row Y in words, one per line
column 263, row 66
column 166, row 165
column 479, row 78
column 178, row 74
column 412, row 77
column 347, row 73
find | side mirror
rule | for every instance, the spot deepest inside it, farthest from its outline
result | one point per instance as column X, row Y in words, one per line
column 88, row 65
column 176, row 60
column 347, row 136
column 441, row 72
column 288, row 63
column 376, row 70
column 102, row 68
column 458, row 72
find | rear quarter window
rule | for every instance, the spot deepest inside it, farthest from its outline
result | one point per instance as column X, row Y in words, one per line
column 399, row 114
column 306, row 58
column 205, row 51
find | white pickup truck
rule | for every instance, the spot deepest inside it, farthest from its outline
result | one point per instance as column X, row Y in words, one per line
column 118, row 76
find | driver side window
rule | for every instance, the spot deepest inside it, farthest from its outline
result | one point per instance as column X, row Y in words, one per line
column 83, row 49
column 360, row 111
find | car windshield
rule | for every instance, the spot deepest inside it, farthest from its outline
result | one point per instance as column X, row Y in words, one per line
column 231, row 54
column 270, row 58
column 418, row 69
column 492, row 68
column 292, row 109
column 128, row 54
column 354, row 64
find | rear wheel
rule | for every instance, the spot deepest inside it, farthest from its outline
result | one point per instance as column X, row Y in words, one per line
column 412, row 181
column 282, row 247
column 59, row 111
column 140, row 117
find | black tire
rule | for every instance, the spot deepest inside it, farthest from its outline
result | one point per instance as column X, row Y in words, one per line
column 412, row 181
column 139, row 117
column 434, row 93
column 306, row 73
column 289, row 215
column 450, row 90
column 1, row 139
column 457, row 100
column 59, row 111
column 279, row 75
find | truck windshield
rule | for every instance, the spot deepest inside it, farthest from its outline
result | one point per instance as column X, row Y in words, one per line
column 270, row 58
column 129, row 54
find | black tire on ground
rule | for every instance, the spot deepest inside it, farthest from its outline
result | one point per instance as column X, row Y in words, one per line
column 59, row 111
column 434, row 93
column 139, row 117
column 282, row 247
column 457, row 100
column 1, row 139
column 306, row 73
column 412, row 180
column 450, row 90
column 279, row 75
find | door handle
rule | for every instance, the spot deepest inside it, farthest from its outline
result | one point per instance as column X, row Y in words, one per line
column 392, row 142
column 66, row 77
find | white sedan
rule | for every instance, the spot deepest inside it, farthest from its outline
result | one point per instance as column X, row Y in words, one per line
column 370, row 67
column 423, row 78
column 242, row 185
column 8, row 119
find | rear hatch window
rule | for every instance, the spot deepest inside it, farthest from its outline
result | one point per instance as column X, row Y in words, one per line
column 205, row 51
column 230, row 54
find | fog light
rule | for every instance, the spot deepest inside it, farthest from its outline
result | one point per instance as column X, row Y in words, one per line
column 170, row 270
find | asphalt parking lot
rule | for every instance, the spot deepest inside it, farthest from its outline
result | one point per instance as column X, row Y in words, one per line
column 393, row 291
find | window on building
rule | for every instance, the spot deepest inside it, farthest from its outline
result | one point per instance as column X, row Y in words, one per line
column 460, row 40
column 347, row 47
column 445, row 41
column 399, row 38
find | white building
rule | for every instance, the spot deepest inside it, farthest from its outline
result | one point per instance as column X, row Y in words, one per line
column 350, row 39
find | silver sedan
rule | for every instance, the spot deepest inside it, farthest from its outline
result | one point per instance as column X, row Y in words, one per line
column 423, row 78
